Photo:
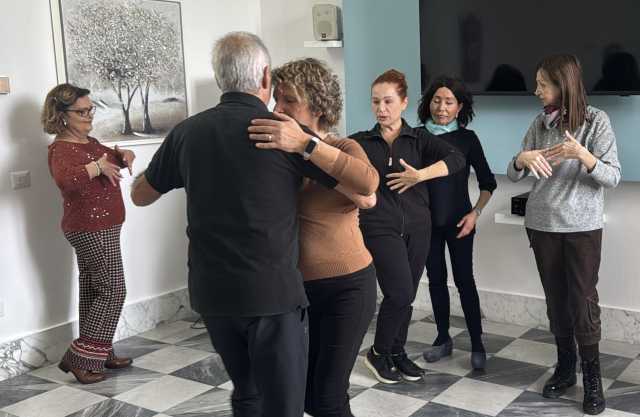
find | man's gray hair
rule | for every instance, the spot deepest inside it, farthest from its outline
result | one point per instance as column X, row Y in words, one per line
column 238, row 62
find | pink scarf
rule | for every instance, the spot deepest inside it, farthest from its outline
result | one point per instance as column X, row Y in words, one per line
column 552, row 116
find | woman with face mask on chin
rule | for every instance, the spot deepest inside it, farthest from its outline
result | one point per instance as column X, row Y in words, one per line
column 571, row 150
column 397, row 229
column 445, row 110
column 88, row 175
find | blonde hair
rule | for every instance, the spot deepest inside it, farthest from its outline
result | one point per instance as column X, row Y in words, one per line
column 58, row 100
column 315, row 83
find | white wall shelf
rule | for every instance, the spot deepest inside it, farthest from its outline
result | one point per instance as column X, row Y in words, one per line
column 323, row 44
column 505, row 217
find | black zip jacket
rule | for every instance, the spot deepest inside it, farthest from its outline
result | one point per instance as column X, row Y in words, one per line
column 396, row 213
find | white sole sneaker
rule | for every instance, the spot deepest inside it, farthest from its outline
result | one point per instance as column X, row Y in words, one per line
column 375, row 373
column 411, row 378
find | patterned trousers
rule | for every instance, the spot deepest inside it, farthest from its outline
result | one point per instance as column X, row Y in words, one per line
column 102, row 294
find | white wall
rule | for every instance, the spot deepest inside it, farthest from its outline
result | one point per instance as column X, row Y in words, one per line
column 286, row 24
column 38, row 283
column 504, row 262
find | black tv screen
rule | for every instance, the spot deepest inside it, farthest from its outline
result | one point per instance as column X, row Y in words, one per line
column 494, row 45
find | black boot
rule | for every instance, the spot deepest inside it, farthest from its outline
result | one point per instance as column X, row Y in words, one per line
column 563, row 377
column 594, row 402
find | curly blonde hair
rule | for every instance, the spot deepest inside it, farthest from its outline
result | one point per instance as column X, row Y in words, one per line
column 59, row 99
column 315, row 83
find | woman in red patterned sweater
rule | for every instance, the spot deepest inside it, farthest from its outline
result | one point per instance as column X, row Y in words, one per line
column 88, row 176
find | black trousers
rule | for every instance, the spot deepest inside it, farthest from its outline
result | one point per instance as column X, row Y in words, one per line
column 399, row 262
column 266, row 358
column 339, row 316
column 461, row 255
column 568, row 264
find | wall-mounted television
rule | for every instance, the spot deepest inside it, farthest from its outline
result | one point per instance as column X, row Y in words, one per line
column 494, row 45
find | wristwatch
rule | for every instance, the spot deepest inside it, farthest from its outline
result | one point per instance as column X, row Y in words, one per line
column 478, row 211
column 311, row 146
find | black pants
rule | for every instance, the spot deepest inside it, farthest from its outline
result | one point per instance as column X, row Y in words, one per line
column 568, row 264
column 340, row 312
column 399, row 262
column 266, row 358
column 461, row 255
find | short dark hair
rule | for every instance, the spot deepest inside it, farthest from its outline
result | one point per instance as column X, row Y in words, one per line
column 59, row 99
column 458, row 89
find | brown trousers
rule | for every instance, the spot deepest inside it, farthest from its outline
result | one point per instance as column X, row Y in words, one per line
column 568, row 264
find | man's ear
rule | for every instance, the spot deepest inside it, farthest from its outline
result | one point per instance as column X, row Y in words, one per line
column 266, row 78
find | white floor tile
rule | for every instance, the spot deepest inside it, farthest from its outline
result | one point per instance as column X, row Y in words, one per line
column 376, row 403
column 632, row 373
column 59, row 402
column 164, row 393
column 503, row 329
column 480, row 397
column 53, row 373
column 422, row 332
column 227, row 385
column 170, row 359
column 361, row 375
column 367, row 341
column 419, row 314
column 522, row 350
column 614, row 413
column 174, row 332
column 626, row 350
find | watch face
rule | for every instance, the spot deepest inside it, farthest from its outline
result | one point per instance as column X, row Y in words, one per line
column 310, row 147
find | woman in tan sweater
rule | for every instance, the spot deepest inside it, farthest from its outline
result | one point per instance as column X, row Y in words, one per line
column 340, row 279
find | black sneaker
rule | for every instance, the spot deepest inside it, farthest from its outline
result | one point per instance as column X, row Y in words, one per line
column 382, row 367
column 408, row 368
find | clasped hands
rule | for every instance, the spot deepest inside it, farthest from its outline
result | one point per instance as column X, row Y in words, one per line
column 541, row 161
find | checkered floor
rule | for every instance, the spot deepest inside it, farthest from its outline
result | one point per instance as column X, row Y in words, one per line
column 177, row 373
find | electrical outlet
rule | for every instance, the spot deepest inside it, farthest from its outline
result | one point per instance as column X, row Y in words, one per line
column 20, row 179
column 4, row 85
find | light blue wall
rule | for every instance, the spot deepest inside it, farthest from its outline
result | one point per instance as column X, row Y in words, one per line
column 383, row 34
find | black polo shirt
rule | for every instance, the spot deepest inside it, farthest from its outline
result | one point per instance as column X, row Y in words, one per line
column 241, row 210
column 408, row 212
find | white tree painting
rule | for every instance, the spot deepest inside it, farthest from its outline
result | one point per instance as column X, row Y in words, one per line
column 129, row 54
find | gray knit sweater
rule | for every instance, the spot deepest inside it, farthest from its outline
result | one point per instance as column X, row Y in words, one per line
column 572, row 199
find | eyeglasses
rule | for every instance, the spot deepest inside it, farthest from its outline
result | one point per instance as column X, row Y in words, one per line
column 84, row 112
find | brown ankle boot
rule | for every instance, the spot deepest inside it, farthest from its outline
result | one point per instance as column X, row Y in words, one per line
column 118, row 363
column 83, row 376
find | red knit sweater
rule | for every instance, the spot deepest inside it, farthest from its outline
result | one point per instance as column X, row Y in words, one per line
column 89, row 204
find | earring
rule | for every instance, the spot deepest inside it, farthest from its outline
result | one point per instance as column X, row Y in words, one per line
column 64, row 122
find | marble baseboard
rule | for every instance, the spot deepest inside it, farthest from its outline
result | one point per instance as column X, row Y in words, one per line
column 617, row 324
column 47, row 347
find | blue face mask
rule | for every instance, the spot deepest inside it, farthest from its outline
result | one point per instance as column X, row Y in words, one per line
column 437, row 129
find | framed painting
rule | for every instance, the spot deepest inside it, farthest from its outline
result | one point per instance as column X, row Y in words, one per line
column 130, row 54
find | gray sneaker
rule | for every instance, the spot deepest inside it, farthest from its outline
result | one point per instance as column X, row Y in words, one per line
column 478, row 360
column 438, row 352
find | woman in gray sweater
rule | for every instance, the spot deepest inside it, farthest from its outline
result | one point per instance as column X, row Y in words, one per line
column 571, row 149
